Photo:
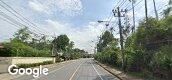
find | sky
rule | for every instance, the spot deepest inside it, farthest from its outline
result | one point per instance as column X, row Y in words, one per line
column 75, row 18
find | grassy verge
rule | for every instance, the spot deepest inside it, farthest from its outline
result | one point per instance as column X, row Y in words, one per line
column 144, row 75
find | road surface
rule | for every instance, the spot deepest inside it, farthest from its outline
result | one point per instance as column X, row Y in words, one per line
column 81, row 69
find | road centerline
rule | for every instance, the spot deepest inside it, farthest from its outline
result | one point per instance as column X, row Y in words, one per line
column 75, row 72
column 54, row 70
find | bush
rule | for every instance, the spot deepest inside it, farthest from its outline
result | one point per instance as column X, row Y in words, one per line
column 161, row 64
column 20, row 49
column 34, row 64
column 135, row 61
column 108, row 56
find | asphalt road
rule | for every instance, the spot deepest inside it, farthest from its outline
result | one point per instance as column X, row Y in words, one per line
column 81, row 69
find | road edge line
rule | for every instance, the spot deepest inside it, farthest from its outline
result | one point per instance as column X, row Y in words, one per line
column 108, row 70
column 97, row 72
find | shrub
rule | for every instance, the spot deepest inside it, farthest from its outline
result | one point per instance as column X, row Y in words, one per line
column 18, row 48
column 34, row 64
column 161, row 64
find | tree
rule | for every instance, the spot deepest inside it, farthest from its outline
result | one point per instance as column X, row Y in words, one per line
column 107, row 49
column 22, row 34
column 61, row 42
column 104, row 40
column 69, row 50
column 168, row 10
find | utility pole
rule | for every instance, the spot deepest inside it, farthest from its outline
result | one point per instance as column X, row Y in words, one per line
column 156, row 13
column 146, row 13
column 53, row 47
column 127, row 26
column 118, row 12
column 133, row 28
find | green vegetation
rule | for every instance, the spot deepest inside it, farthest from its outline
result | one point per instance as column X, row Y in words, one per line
column 28, row 44
column 34, row 64
column 24, row 44
column 62, row 44
column 107, row 49
column 147, row 51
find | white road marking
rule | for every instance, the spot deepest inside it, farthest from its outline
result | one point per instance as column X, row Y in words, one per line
column 97, row 72
column 75, row 71
column 52, row 71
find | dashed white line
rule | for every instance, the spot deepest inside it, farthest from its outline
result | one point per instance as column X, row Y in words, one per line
column 53, row 71
column 75, row 71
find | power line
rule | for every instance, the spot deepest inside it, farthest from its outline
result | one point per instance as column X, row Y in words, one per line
column 118, row 3
column 14, row 21
column 123, row 2
column 136, row 5
column 111, row 14
column 25, row 20
column 9, row 22
column 14, row 14
column 127, row 5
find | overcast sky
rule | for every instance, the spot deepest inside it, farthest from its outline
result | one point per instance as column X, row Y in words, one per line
column 76, row 18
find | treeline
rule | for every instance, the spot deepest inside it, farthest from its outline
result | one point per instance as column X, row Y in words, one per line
column 148, row 51
column 27, row 44
column 64, row 48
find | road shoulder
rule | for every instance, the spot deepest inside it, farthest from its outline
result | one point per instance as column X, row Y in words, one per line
column 121, row 75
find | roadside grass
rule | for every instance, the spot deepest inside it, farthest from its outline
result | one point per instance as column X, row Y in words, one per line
column 144, row 75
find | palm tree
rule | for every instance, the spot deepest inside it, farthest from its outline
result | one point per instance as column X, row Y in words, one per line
column 168, row 10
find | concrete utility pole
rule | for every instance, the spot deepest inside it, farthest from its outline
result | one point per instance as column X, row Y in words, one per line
column 156, row 13
column 118, row 12
column 127, row 26
column 53, row 47
column 133, row 28
column 146, row 12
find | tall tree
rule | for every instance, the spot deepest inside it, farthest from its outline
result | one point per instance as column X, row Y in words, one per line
column 69, row 50
column 22, row 34
column 106, row 38
column 61, row 42
column 168, row 10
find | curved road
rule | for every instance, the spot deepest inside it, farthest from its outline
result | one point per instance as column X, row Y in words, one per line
column 81, row 69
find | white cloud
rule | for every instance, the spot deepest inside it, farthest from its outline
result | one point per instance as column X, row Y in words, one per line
column 6, row 30
column 82, row 36
column 70, row 7
column 67, row 7
column 34, row 4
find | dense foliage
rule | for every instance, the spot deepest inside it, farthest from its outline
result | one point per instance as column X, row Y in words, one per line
column 107, row 49
column 25, row 45
column 151, row 45
column 148, row 50
column 28, row 44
